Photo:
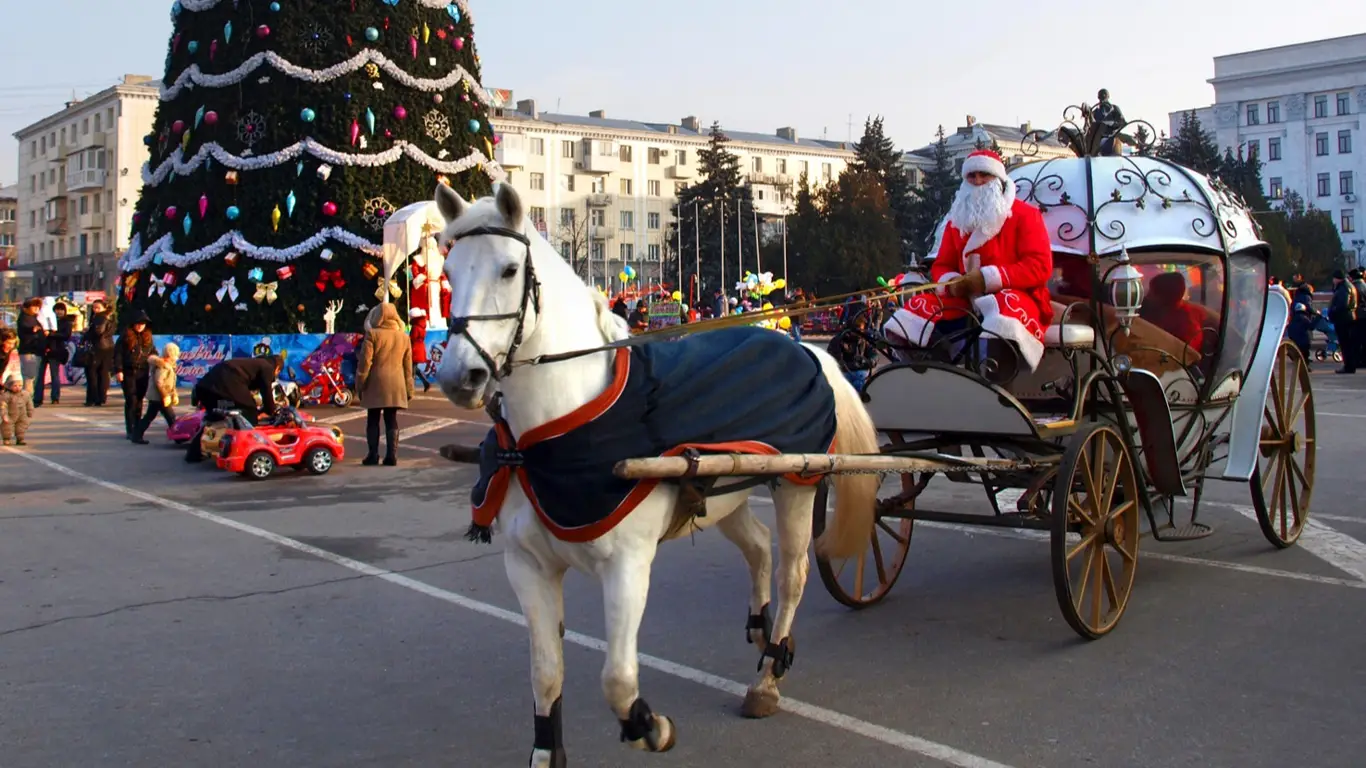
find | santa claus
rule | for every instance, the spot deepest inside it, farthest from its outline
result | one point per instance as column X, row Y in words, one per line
column 996, row 252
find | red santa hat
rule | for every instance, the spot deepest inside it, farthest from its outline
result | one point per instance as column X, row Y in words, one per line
column 985, row 161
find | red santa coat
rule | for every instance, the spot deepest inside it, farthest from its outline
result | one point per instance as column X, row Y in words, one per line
column 1016, row 265
column 418, row 337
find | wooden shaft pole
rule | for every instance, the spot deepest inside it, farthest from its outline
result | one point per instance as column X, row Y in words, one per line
column 749, row 465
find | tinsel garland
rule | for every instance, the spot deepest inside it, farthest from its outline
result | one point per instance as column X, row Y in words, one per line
column 136, row 258
column 192, row 75
column 175, row 163
column 204, row 5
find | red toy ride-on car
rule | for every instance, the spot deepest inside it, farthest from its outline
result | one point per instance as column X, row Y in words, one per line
column 285, row 441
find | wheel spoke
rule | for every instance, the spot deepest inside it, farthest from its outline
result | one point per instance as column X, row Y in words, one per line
column 1080, row 511
column 1110, row 484
column 1294, row 494
column 858, row 574
column 1097, row 597
column 1087, row 476
column 884, row 526
column 1282, row 481
column 877, row 561
column 1098, row 478
column 1079, row 596
column 1111, row 591
column 1085, row 542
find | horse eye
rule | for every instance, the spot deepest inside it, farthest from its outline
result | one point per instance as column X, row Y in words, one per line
column 510, row 271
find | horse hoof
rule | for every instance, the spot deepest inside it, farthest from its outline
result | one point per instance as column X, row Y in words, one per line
column 760, row 704
column 546, row 758
column 661, row 738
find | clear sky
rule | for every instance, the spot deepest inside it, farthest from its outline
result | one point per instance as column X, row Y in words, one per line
column 752, row 64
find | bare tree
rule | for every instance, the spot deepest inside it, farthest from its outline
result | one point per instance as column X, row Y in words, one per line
column 572, row 238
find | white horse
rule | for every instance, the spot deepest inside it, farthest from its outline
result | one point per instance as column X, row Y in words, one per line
column 514, row 299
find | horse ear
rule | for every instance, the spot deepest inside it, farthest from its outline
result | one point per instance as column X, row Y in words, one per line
column 509, row 204
column 449, row 202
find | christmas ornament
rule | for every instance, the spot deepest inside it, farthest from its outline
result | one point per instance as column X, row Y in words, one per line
column 372, row 70
column 170, row 211
column 208, row 307
column 230, row 178
column 185, row 223
column 251, row 128
column 400, row 112
column 263, row 31
column 213, row 49
column 329, row 208
column 203, row 205
column 265, row 292
column 232, row 213
column 474, row 126
column 355, row 132
column 324, row 171
column 256, row 274
column 332, row 277
column 178, row 126
column 192, row 278
column 228, row 290
column 369, row 270
column 436, row 98
column 149, row 138
column 289, row 204
column 376, row 210
column 412, row 45
column 211, row 118
column 227, row 32
column 275, row 219
column 184, row 141
column 326, row 254
column 299, row 168
column 193, row 46
column 436, row 126
column 231, row 259
column 454, row 12
column 285, row 272
column 274, row 7
column 369, row 121
column 371, row 34
column 459, row 43
column 198, row 116
column 307, row 115
column 388, row 134
column 180, row 295
column 156, row 285
column 426, row 33
column 175, row 43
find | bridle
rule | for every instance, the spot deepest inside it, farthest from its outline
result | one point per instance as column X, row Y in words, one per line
column 531, row 296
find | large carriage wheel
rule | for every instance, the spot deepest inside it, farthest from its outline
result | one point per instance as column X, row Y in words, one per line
column 1096, row 495
column 863, row 581
column 1283, row 478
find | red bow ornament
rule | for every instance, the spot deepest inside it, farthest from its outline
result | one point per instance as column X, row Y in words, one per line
column 332, row 277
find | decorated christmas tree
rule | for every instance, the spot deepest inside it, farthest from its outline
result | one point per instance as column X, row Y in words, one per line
column 288, row 132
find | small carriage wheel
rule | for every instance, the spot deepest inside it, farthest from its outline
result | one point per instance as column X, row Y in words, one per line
column 886, row 554
column 1096, row 495
column 1283, row 478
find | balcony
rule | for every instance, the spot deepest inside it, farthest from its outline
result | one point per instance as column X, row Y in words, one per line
column 602, row 231
column 92, row 139
column 600, row 200
column 95, row 221
column 56, row 226
column 681, row 172
column 510, row 151
column 773, row 179
column 90, row 178
column 61, row 152
column 595, row 163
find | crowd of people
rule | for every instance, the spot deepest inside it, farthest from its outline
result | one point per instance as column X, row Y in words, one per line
column 1343, row 323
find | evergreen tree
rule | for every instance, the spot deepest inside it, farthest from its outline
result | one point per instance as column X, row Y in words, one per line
column 806, row 238
column 994, row 146
column 1192, row 147
column 877, row 155
column 842, row 235
column 286, row 134
column 706, row 213
column 1243, row 175
column 1315, row 239
column 934, row 197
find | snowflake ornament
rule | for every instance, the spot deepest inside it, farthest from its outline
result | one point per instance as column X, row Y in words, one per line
column 376, row 211
column 251, row 128
column 316, row 39
column 437, row 126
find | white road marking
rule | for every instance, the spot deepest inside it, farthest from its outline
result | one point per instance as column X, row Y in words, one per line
column 401, row 446
column 111, row 426
column 898, row 739
column 1343, row 415
column 1328, row 544
column 358, row 413
column 1338, row 518
column 431, row 426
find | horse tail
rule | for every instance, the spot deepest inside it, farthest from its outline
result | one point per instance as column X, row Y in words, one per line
column 855, row 494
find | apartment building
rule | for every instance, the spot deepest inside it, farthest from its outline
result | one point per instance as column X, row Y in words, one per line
column 1018, row 143
column 15, row 285
column 1299, row 108
column 79, row 176
column 602, row 189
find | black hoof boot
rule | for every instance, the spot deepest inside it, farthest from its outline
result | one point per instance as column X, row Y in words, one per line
column 763, row 621
column 644, row 730
column 550, row 737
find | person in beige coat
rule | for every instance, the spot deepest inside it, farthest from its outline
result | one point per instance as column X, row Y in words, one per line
column 384, row 379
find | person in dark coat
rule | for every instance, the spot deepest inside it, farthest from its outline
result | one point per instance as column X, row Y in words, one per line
column 229, row 386
column 133, row 370
column 99, row 343
column 1358, row 278
column 1342, row 312
column 55, row 356
column 32, row 343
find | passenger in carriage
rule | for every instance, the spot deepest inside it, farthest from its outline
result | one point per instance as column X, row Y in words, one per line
column 997, row 251
column 1167, row 308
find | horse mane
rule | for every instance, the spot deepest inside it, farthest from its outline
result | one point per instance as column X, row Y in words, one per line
column 612, row 325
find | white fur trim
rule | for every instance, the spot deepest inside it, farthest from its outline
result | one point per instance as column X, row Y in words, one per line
column 910, row 327
column 417, row 312
column 1010, row 329
column 944, row 279
column 985, row 164
column 420, row 280
column 994, row 278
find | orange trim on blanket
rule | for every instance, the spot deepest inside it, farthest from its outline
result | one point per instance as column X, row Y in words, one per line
column 621, row 371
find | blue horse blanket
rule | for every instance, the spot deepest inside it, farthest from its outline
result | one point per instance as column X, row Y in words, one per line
column 737, row 390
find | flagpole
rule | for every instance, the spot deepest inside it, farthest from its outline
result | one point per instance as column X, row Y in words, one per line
column 697, row 251
column 724, row 292
column 758, row 256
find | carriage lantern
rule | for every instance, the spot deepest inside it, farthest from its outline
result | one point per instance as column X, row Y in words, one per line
column 1126, row 290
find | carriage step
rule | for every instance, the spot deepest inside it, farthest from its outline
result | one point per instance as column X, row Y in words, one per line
column 1189, row 532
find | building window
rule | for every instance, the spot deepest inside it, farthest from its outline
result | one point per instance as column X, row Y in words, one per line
column 679, row 186
column 624, row 153
column 95, row 238
column 680, row 157
column 536, row 180
column 628, row 219
column 1273, row 111
column 1344, row 142
column 652, row 220
column 652, row 155
column 538, row 146
column 1254, row 148
column 537, row 215
column 1320, row 106
column 1276, row 189
column 625, row 250
column 96, row 202
column 1345, row 185
column 825, row 171
column 567, row 251
column 1252, row 115
column 805, row 166
column 1349, row 220
column 596, row 250
column 1344, row 104
column 85, row 205
column 85, row 244
column 566, row 149
column 1273, row 149
column 1324, row 181
column 567, row 182
column 1321, row 144
column 567, row 217
column 782, row 165
column 652, row 187
column 653, row 252
column 625, row 186
column 758, row 165
column 597, row 185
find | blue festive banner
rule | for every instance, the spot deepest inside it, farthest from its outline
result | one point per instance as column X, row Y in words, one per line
column 197, row 354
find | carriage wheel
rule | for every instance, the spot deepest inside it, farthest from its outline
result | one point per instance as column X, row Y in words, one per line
column 1096, row 495
column 1283, row 478
column 863, row 581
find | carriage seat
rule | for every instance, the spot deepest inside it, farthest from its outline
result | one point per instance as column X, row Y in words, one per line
column 1068, row 335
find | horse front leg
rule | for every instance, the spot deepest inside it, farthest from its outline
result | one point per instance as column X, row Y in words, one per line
column 540, row 591
column 625, row 586
column 793, row 504
column 755, row 542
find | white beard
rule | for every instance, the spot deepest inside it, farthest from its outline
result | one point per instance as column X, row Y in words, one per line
column 980, row 211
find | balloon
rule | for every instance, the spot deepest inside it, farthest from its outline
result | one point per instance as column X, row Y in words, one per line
column 785, row 323
column 676, row 296
column 780, row 283
column 882, row 281
column 767, row 306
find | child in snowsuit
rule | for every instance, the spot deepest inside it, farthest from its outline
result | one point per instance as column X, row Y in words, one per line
column 161, row 395
column 16, row 408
